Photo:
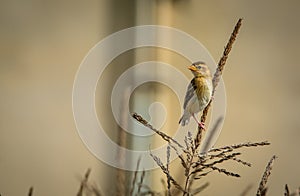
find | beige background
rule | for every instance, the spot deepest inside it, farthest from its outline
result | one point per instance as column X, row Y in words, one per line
column 43, row 43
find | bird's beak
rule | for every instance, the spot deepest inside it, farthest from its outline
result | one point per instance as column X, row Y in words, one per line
column 192, row 68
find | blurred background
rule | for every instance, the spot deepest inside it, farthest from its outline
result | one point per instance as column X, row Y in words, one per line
column 44, row 42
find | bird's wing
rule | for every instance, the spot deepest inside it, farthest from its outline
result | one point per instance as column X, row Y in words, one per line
column 190, row 92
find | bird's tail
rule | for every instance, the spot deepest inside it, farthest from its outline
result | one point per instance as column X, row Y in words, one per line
column 185, row 119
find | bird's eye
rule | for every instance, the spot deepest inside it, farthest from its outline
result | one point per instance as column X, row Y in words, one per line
column 199, row 67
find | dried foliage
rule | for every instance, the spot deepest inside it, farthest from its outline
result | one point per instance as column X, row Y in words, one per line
column 262, row 189
column 135, row 176
column 86, row 187
column 196, row 165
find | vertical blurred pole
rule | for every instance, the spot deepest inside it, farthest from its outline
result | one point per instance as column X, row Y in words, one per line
column 164, row 17
column 121, row 15
column 144, row 15
column 122, row 141
column 125, row 14
column 155, row 12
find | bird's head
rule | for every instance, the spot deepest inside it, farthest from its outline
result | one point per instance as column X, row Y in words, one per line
column 200, row 69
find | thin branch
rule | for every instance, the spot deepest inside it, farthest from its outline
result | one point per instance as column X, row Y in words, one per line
column 168, row 170
column 141, row 182
column 84, row 182
column 262, row 189
column 241, row 145
column 164, row 169
column 122, row 141
column 217, row 77
column 209, row 165
column 246, row 190
column 212, row 133
column 224, row 171
column 161, row 134
column 200, row 189
column 30, row 192
column 286, row 190
column 134, row 176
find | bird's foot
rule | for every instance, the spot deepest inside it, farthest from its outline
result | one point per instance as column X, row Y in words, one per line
column 202, row 125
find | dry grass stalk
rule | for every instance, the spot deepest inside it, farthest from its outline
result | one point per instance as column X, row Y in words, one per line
column 246, row 190
column 224, row 171
column 206, row 146
column 167, row 167
column 94, row 190
column 135, row 176
column 121, row 182
column 164, row 169
column 147, row 191
column 84, row 182
column 161, row 134
column 262, row 189
column 217, row 77
column 164, row 186
column 121, row 141
column 200, row 189
column 89, row 189
column 242, row 162
column 140, row 184
column 241, row 145
column 286, row 190
column 221, row 159
column 150, row 192
column 197, row 166
column 30, row 192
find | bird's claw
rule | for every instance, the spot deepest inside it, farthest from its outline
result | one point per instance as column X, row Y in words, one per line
column 202, row 125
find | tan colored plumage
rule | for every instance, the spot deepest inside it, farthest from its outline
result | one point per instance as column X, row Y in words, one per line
column 198, row 93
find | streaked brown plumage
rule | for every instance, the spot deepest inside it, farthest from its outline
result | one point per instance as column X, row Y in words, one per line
column 198, row 93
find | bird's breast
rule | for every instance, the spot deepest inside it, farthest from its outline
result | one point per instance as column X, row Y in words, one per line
column 203, row 90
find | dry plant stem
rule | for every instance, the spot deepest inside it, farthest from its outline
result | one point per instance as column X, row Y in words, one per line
column 141, row 182
column 286, row 190
column 161, row 134
column 216, row 80
column 201, row 188
column 262, row 186
column 164, row 186
column 212, row 130
column 197, row 169
column 246, row 190
column 30, row 192
column 121, row 141
column 241, row 145
column 188, row 174
column 134, row 177
column 165, row 171
column 217, row 77
column 168, row 164
column 96, row 191
column 84, row 182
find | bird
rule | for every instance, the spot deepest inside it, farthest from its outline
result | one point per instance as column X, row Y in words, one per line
column 198, row 94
